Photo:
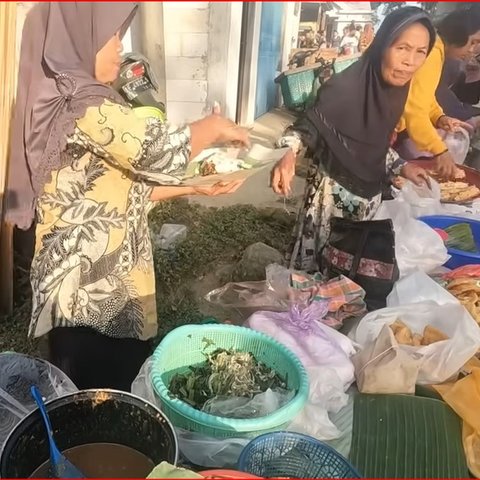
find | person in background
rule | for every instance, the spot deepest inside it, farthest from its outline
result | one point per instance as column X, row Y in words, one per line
column 349, row 43
column 336, row 40
column 310, row 39
column 366, row 38
column 301, row 40
column 321, row 39
column 358, row 31
column 448, row 100
column 458, row 34
column 467, row 85
column 89, row 170
column 352, row 158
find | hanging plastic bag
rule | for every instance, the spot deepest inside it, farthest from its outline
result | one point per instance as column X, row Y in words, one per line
column 17, row 374
column 441, row 360
column 417, row 246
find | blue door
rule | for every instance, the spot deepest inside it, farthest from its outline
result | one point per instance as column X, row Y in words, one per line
column 269, row 56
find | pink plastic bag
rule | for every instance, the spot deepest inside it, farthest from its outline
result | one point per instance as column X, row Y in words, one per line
column 316, row 344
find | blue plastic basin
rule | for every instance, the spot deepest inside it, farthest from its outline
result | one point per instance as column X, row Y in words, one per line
column 458, row 257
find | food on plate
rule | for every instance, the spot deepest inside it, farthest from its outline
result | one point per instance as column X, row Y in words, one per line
column 207, row 168
column 404, row 336
column 467, row 291
column 459, row 174
column 458, row 191
column 450, row 191
column 218, row 164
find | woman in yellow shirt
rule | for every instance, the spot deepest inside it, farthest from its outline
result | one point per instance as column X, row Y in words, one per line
column 458, row 34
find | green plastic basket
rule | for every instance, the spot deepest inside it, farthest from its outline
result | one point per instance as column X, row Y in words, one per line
column 187, row 345
column 340, row 65
column 298, row 88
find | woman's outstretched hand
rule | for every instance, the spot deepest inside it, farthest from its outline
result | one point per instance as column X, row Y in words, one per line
column 220, row 188
column 228, row 132
column 283, row 173
column 215, row 128
column 446, row 166
column 451, row 125
column 416, row 174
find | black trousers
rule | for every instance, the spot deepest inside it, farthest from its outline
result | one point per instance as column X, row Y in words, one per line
column 93, row 360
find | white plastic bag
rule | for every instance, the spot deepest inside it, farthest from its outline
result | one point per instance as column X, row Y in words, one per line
column 422, row 200
column 327, row 395
column 418, row 301
column 417, row 246
column 419, row 287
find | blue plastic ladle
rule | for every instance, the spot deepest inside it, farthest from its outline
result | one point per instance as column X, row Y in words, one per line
column 61, row 466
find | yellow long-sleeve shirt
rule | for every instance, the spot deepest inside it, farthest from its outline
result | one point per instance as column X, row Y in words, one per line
column 422, row 110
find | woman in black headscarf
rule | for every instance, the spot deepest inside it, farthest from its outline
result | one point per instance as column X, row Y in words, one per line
column 89, row 169
column 349, row 131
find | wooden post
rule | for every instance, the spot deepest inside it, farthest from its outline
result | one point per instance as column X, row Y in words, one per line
column 8, row 67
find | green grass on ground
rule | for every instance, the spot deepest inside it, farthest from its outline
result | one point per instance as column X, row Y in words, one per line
column 215, row 236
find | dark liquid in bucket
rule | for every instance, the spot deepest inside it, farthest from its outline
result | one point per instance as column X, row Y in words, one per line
column 103, row 460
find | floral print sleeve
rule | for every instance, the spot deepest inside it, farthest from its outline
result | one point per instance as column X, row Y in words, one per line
column 148, row 148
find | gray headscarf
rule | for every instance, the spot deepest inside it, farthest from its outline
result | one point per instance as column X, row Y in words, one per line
column 56, row 84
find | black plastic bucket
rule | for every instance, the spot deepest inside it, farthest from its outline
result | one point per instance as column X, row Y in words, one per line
column 88, row 417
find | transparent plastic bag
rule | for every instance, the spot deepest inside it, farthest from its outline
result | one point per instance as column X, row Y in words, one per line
column 17, row 374
column 240, row 407
column 170, row 235
column 285, row 289
column 458, row 144
column 195, row 447
column 275, row 293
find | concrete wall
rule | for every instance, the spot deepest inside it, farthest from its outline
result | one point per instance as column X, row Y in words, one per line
column 186, row 33
column 225, row 25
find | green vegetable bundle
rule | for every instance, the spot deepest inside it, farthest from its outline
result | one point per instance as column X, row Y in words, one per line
column 460, row 237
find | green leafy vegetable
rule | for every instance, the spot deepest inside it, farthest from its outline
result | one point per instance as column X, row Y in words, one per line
column 460, row 237
column 225, row 373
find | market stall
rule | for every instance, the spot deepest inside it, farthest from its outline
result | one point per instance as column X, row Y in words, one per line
column 369, row 369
